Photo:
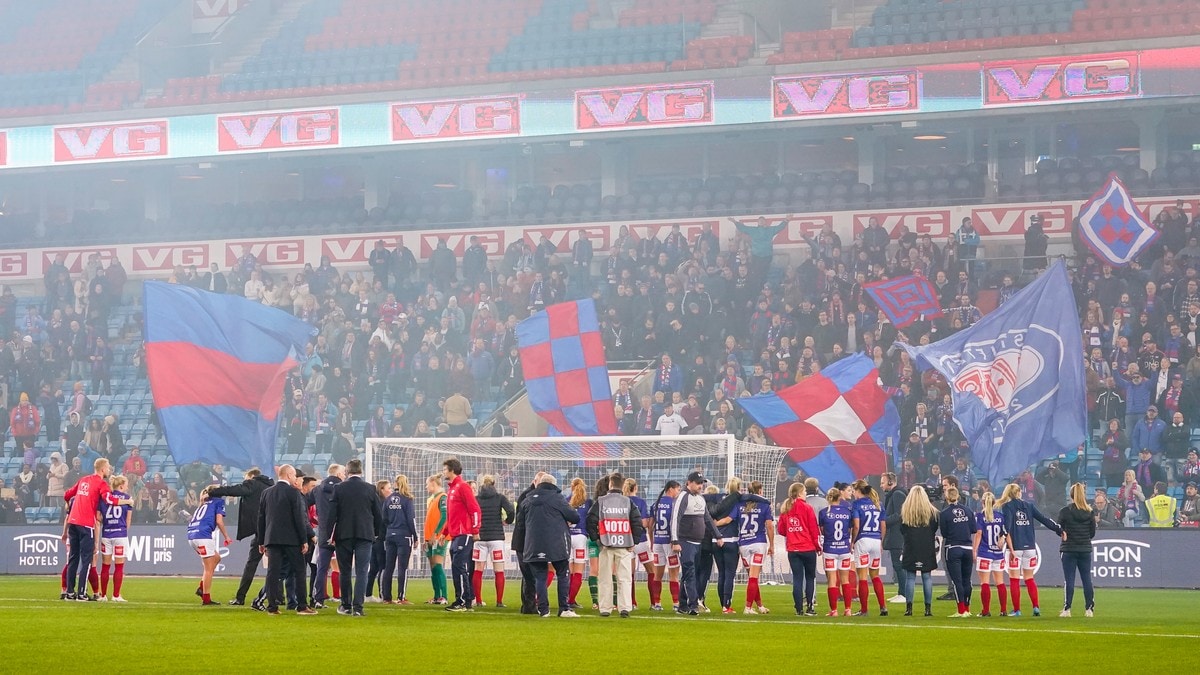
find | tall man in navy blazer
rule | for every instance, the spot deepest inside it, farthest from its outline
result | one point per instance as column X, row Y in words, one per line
column 357, row 520
column 283, row 537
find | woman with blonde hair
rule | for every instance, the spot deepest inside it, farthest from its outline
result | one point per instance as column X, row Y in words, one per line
column 991, row 543
column 401, row 535
column 868, row 530
column 798, row 525
column 435, row 544
column 1018, row 522
column 919, row 526
column 958, row 536
column 496, row 511
column 756, row 541
column 579, row 548
column 835, row 523
column 641, row 549
column 726, row 555
column 202, row 531
column 1079, row 528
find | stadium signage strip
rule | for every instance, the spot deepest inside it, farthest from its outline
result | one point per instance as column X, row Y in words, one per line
column 745, row 99
column 1130, row 558
column 3, row 148
column 1000, row 224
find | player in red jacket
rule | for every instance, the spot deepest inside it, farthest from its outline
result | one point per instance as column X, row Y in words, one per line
column 463, row 518
column 798, row 524
column 85, row 498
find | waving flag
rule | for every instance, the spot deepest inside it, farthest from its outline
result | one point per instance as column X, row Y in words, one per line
column 217, row 365
column 905, row 299
column 1016, row 378
column 838, row 422
column 566, row 373
column 1112, row 226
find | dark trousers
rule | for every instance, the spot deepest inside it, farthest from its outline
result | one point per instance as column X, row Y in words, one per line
column 279, row 558
column 354, row 554
column 1081, row 562
column 727, row 567
column 253, row 560
column 289, row 587
column 541, row 573
column 959, row 564
column 324, row 557
column 397, row 553
column 804, row 578
column 689, row 552
column 704, row 567
column 82, row 543
column 528, row 592
column 462, row 567
column 378, row 557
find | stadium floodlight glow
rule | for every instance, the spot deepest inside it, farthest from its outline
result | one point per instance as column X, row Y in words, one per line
column 930, row 137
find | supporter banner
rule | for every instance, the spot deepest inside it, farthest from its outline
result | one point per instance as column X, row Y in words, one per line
column 1000, row 226
column 792, row 94
column 153, row 549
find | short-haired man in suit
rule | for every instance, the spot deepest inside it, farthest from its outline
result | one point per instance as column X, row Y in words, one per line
column 250, row 492
column 321, row 496
column 283, row 528
column 357, row 520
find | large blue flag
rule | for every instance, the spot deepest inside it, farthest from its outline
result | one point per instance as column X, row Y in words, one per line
column 1016, row 378
column 217, row 365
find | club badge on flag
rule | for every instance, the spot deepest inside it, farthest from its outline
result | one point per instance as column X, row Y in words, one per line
column 217, row 365
column 566, row 373
column 1112, row 226
column 838, row 422
column 1016, row 378
column 905, row 299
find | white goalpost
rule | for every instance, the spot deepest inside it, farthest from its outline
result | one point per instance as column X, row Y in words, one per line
column 513, row 461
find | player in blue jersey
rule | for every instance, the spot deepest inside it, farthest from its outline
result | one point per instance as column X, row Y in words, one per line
column 641, row 549
column 207, row 520
column 958, row 528
column 991, row 544
column 836, row 523
column 1024, row 558
column 114, row 539
column 869, row 528
column 580, row 502
column 665, row 560
column 756, row 541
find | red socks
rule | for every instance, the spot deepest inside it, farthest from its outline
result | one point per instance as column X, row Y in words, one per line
column 64, row 580
column 549, row 577
column 206, row 597
column 833, row 598
column 752, row 594
column 335, row 578
column 1015, row 590
column 1031, row 587
column 847, row 595
column 576, row 584
column 477, row 585
column 1003, row 591
column 654, row 588
column 853, row 584
column 877, row 583
column 118, row 577
column 863, row 594
column 962, row 608
column 104, row 580
column 674, row 592
column 499, row 587
column 94, row 580
column 985, row 593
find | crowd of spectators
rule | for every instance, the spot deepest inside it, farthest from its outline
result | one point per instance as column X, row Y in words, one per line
column 406, row 350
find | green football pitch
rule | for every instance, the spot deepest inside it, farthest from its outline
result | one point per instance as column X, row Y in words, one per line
column 164, row 629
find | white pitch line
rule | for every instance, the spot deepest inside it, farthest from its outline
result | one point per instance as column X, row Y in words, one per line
column 813, row 622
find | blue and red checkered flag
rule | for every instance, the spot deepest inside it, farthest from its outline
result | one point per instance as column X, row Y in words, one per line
column 1112, row 226
column 217, row 365
column 566, row 373
column 837, row 423
column 905, row 299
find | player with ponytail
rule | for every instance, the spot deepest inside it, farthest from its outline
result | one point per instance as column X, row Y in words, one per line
column 991, row 542
column 580, row 502
column 868, row 530
column 665, row 560
column 641, row 549
column 1018, row 522
column 756, row 541
column 835, row 524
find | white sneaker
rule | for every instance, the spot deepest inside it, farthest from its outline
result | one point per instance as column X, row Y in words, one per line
column 749, row 610
column 1065, row 614
column 1088, row 613
column 703, row 608
column 102, row 598
column 966, row 615
column 569, row 614
column 763, row 610
column 371, row 599
column 118, row 598
column 897, row 600
column 955, row 616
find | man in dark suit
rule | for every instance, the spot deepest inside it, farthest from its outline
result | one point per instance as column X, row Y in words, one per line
column 321, row 497
column 357, row 520
column 250, row 491
column 283, row 531
column 214, row 280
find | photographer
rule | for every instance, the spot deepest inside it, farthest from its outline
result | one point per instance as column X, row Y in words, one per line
column 1104, row 512
column 1054, row 481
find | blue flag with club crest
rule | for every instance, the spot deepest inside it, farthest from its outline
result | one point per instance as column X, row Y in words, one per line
column 1016, row 378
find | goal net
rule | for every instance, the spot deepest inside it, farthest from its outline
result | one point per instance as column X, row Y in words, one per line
column 650, row 460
